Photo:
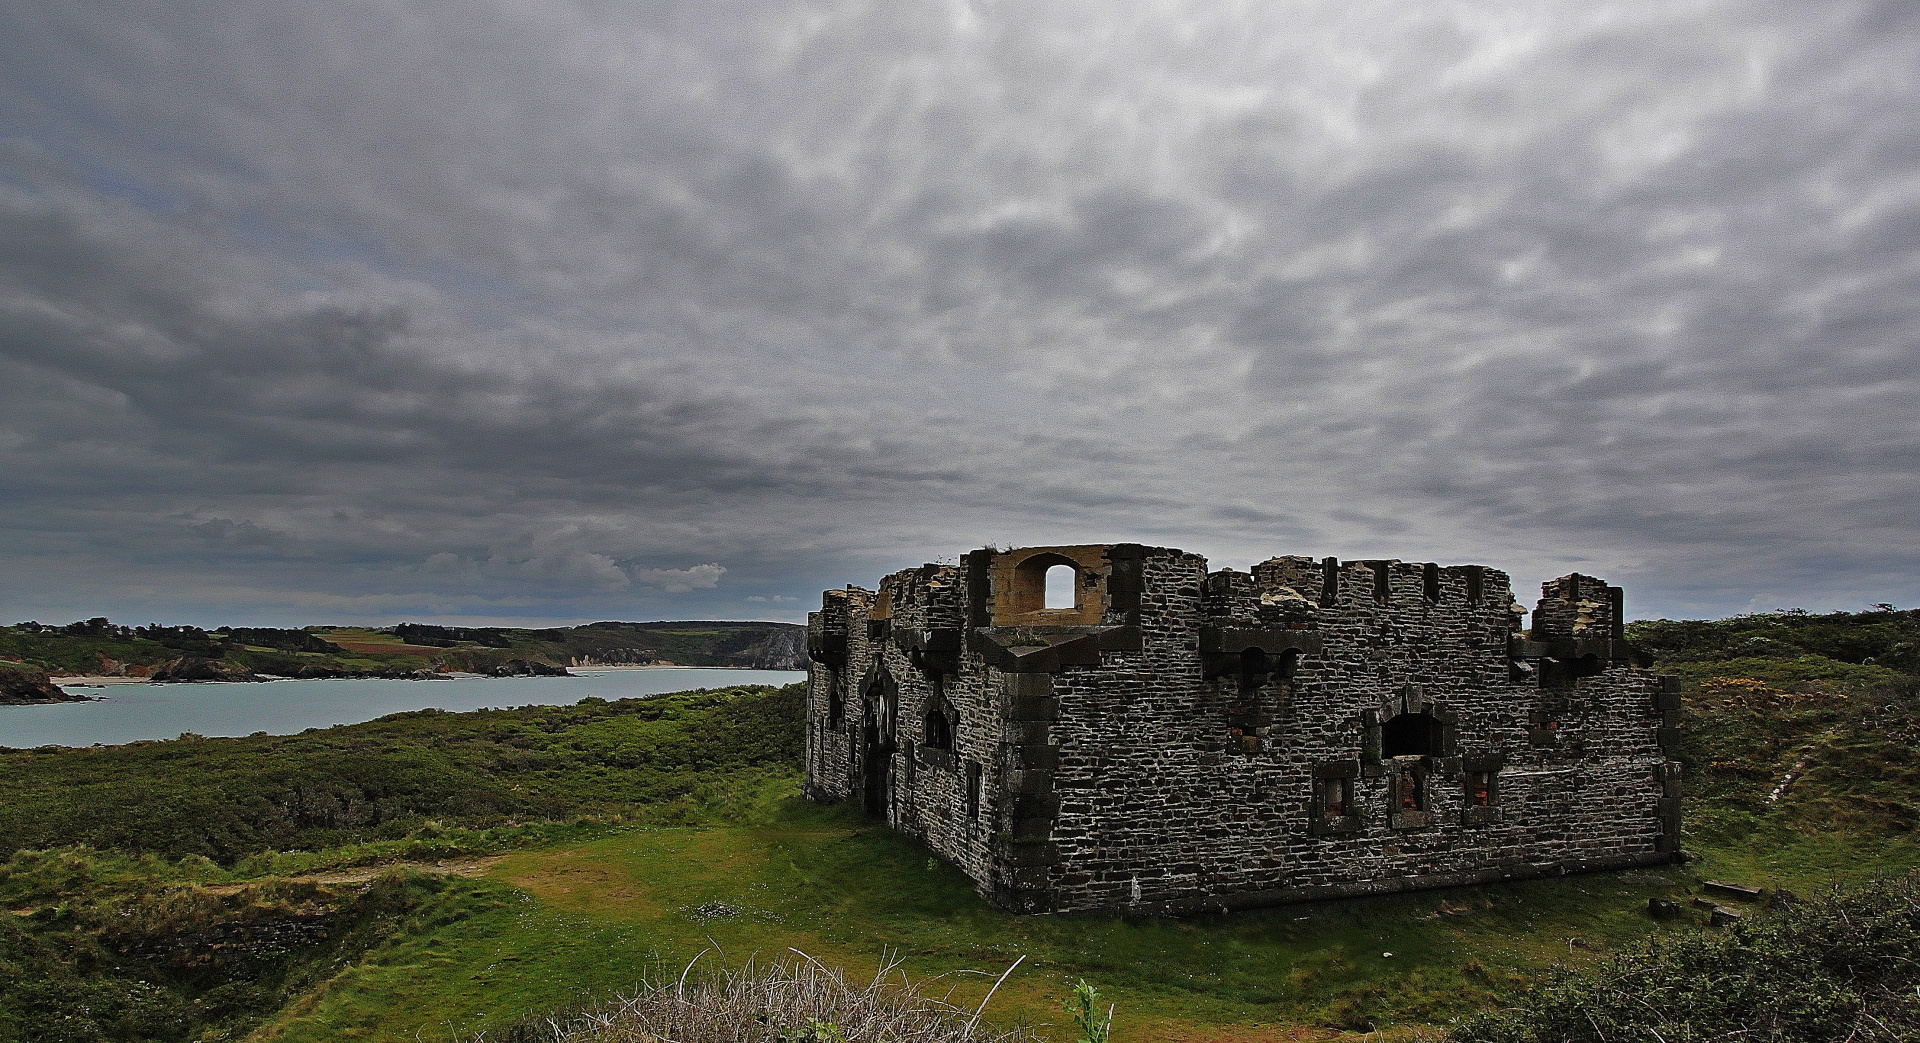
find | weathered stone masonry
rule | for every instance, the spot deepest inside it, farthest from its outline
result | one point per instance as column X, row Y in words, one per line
column 1179, row 740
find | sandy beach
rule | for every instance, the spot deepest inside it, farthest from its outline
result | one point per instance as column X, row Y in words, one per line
column 91, row 681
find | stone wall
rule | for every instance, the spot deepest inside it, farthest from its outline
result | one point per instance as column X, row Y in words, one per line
column 1178, row 740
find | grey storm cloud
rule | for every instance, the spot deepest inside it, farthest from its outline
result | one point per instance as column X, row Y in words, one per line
column 556, row 311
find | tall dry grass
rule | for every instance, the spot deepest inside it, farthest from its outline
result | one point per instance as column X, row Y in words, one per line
column 794, row 1000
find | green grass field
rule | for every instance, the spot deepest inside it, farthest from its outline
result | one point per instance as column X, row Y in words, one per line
column 583, row 921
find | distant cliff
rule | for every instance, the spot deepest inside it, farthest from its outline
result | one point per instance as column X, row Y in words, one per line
column 756, row 646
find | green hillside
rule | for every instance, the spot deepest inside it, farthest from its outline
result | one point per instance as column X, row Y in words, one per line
column 99, row 646
column 441, row 876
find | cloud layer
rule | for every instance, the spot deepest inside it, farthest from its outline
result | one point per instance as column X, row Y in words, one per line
column 561, row 311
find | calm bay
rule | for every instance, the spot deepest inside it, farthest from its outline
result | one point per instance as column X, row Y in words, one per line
column 135, row 711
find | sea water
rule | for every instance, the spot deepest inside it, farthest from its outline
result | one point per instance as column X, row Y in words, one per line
column 134, row 711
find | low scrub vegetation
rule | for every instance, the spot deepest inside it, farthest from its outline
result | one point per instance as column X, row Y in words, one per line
column 1884, row 636
column 431, row 782
column 1843, row 966
column 169, row 959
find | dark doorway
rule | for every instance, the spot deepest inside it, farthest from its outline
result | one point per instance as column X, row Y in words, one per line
column 1410, row 735
column 881, row 701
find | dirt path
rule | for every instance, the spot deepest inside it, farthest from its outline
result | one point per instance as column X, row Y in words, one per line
column 361, row 874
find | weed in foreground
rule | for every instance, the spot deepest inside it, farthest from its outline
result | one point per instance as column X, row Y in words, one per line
column 1083, row 1006
column 798, row 1000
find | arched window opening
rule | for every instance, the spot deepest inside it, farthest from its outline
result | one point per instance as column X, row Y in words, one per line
column 1062, row 581
column 1410, row 735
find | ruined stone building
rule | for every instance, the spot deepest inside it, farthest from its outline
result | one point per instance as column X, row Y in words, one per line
column 1115, row 728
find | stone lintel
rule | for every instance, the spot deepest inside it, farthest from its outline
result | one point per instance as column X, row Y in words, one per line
column 1271, row 640
column 1049, row 649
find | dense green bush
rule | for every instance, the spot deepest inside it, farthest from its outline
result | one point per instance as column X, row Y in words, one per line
column 1843, row 966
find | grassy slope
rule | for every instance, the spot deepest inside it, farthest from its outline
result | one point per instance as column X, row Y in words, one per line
column 599, row 916
column 575, row 918
column 225, row 799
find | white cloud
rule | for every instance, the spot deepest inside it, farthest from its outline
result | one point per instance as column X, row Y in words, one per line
column 681, row 581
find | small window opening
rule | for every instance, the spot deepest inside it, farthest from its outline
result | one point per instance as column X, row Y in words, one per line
column 1061, row 580
column 1476, row 583
column 1562, row 673
column 836, row 701
column 1410, row 735
column 1382, row 581
column 1329, row 581
column 1336, row 796
column 938, row 733
column 1254, row 668
column 1480, row 789
column 1430, row 581
column 1339, row 796
column 973, row 789
column 939, row 730
column 1408, row 793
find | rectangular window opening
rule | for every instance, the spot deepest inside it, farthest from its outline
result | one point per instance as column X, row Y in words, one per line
column 1409, row 795
column 1336, row 797
column 1480, row 789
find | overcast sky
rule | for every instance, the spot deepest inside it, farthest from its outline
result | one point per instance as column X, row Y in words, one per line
column 541, row 311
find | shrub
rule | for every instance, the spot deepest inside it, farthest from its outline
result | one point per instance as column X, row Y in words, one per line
column 1843, row 966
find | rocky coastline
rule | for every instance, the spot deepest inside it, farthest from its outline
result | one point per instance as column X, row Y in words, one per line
column 23, row 685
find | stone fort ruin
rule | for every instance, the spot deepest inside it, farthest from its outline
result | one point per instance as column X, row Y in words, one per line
column 1112, row 727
